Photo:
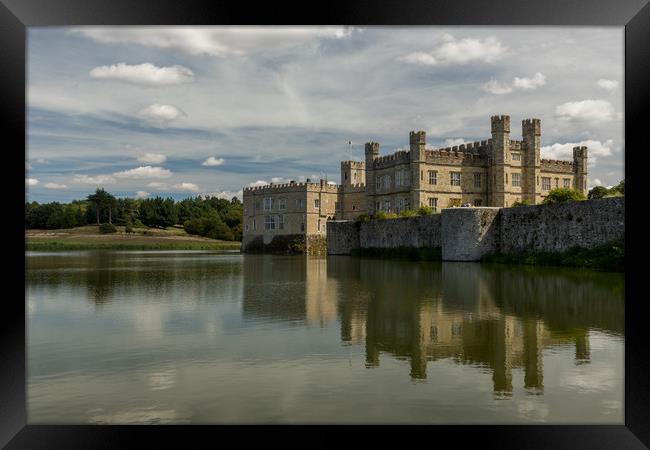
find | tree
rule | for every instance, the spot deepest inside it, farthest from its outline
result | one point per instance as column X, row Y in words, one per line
column 597, row 192
column 101, row 199
column 561, row 195
column 524, row 202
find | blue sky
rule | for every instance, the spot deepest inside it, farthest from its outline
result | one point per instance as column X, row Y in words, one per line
column 183, row 111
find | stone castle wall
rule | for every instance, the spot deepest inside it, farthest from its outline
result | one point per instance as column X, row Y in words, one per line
column 466, row 234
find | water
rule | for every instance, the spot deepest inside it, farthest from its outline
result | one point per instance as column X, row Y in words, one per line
column 207, row 337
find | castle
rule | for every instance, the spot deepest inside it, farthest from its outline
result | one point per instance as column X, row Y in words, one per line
column 494, row 172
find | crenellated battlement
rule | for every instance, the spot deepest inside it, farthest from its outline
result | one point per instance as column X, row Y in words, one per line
column 398, row 157
column 353, row 164
column 293, row 186
column 557, row 165
column 500, row 124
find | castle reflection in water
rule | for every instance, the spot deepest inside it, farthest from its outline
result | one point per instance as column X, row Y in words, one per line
column 488, row 317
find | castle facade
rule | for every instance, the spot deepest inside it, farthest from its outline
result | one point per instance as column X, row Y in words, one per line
column 495, row 172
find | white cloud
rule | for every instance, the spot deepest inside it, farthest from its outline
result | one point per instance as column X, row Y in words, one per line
column 161, row 114
column 593, row 110
column 158, row 186
column 212, row 161
column 186, row 187
column 258, row 183
column 494, row 87
column 152, row 158
column 595, row 182
column 609, row 85
column 31, row 181
column 595, row 149
column 141, row 194
column 228, row 195
column 146, row 73
column 55, row 186
column 97, row 179
column 144, row 172
column 28, row 166
column 530, row 83
column 454, row 141
column 459, row 51
column 215, row 41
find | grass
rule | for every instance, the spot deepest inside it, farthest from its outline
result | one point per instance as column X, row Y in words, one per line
column 412, row 253
column 89, row 238
column 609, row 257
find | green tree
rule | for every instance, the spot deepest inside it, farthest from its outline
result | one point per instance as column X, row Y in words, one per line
column 561, row 195
column 425, row 210
column 523, row 202
column 100, row 199
column 597, row 192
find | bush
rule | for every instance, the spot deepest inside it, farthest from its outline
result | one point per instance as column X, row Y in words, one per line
column 524, row 202
column 381, row 215
column 425, row 211
column 106, row 228
column 408, row 213
column 561, row 195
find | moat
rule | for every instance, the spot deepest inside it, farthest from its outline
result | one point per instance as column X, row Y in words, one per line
column 220, row 337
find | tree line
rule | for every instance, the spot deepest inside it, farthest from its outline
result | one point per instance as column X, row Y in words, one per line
column 212, row 217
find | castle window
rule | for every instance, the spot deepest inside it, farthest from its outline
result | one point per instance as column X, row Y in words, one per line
column 506, row 178
column 478, row 202
column 354, row 175
column 246, row 227
column 346, row 175
column 268, row 203
column 433, row 204
column 433, row 177
column 282, row 203
column 516, row 156
column 354, row 207
column 400, row 205
column 269, row 222
column 377, row 206
column 253, row 224
column 557, row 182
column 516, row 179
column 280, row 222
column 546, row 183
column 407, row 203
column 302, row 227
column 537, row 181
column 386, row 205
column 245, row 211
column 316, row 203
column 378, row 183
column 455, row 178
column 318, row 226
column 386, row 181
column 567, row 183
column 477, row 180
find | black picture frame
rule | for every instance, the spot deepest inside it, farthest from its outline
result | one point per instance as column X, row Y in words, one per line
column 634, row 15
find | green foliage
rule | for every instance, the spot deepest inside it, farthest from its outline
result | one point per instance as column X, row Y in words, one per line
column 523, row 202
column 425, row 211
column 597, row 192
column 561, row 195
column 158, row 212
column 408, row 213
column 363, row 218
column 382, row 215
column 107, row 228
column 609, row 257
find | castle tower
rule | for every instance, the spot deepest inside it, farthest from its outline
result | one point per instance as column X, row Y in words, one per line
column 417, row 143
column 580, row 169
column 531, row 131
column 352, row 172
column 372, row 153
column 498, row 159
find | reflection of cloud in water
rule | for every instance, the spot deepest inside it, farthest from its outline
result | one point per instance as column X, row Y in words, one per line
column 162, row 379
column 592, row 379
column 146, row 415
column 533, row 408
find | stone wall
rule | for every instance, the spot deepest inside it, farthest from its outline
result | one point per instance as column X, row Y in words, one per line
column 419, row 232
column 559, row 227
column 466, row 234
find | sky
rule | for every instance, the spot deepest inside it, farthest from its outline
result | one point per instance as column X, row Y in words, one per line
column 186, row 111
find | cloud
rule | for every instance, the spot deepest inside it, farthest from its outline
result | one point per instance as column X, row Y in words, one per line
column 592, row 110
column 454, row 141
column 187, row 187
column 158, row 186
column 459, row 51
column 97, row 179
column 55, row 186
column 608, row 85
column 144, row 172
column 146, row 74
column 141, row 194
column 215, row 41
column 212, row 161
column 530, row 83
column 228, row 195
column 258, row 183
column 161, row 114
column 152, row 158
column 31, row 181
column 595, row 182
column 595, row 149
column 495, row 87
column 28, row 166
